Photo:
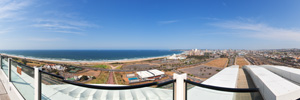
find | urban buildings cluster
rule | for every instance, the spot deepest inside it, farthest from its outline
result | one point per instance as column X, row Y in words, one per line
column 54, row 66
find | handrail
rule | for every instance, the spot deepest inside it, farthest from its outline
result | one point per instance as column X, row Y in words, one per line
column 165, row 83
column 23, row 65
column 110, row 87
column 57, row 76
column 223, row 88
column 101, row 87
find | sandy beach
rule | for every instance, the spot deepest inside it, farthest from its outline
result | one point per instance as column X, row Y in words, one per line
column 89, row 62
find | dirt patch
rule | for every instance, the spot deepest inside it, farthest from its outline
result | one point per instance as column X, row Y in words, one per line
column 89, row 72
column 139, row 67
column 241, row 61
column 201, row 71
column 169, row 73
column 220, row 63
column 101, row 79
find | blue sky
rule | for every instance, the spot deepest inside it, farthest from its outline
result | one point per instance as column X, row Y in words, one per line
column 149, row 24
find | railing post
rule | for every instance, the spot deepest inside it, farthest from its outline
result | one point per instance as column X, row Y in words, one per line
column 1, row 61
column 9, row 69
column 37, row 84
column 180, row 86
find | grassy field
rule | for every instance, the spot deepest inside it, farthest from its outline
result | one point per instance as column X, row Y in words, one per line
column 119, row 67
column 119, row 77
column 101, row 66
column 101, row 79
column 241, row 61
column 220, row 62
column 29, row 62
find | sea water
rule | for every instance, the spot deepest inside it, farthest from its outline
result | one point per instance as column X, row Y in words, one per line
column 89, row 55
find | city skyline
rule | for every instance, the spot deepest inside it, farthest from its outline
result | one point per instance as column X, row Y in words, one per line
column 218, row 24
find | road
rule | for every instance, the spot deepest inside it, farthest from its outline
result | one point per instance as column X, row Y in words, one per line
column 231, row 61
column 110, row 78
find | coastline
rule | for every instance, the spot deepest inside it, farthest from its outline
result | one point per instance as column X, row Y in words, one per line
column 90, row 62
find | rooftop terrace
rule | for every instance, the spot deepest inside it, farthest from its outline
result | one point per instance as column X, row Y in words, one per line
column 26, row 83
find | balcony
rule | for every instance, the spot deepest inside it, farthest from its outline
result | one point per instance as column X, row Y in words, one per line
column 26, row 83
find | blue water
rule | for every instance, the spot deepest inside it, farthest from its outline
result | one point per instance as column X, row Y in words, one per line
column 134, row 78
column 89, row 55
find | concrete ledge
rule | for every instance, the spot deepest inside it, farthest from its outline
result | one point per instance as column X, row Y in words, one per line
column 272, row 86
column 225, row 78
column 286, row 72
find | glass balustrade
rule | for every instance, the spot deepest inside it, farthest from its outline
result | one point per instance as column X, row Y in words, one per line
column 5, row 65
column 22, row 79
column 55, row 88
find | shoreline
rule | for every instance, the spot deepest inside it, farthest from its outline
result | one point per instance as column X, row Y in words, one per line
column 90, row 62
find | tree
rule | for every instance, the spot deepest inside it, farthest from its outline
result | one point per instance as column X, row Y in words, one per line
column 206, row 54
column 57, row 73
column 54, row 70
column 83, row 78
column 24, row 61
column 93, row 77
column 223, row 56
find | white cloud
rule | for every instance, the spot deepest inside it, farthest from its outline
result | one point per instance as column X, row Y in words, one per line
column 72, row 32
column 168, row 22
column 4, row 31
column 63, row 26
column 260, row 30
column 10, row 9
column 10, row 12
column 56, row 26
column 67, row 22
column 46, row 39
column 60, row 14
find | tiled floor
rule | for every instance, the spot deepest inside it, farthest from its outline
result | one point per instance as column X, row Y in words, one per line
column 3, row 94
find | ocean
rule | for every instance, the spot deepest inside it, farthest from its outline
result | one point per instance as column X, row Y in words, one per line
column 89, row 55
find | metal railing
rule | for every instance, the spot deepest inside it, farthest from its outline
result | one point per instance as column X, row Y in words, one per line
column 223, row 88
column 179, row 84
column 101, row 87
column 194, row 91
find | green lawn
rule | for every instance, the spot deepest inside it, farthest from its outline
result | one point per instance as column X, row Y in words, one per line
column 102, row 66
column 101, row 79
column 119, row 78
column 119, row 67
